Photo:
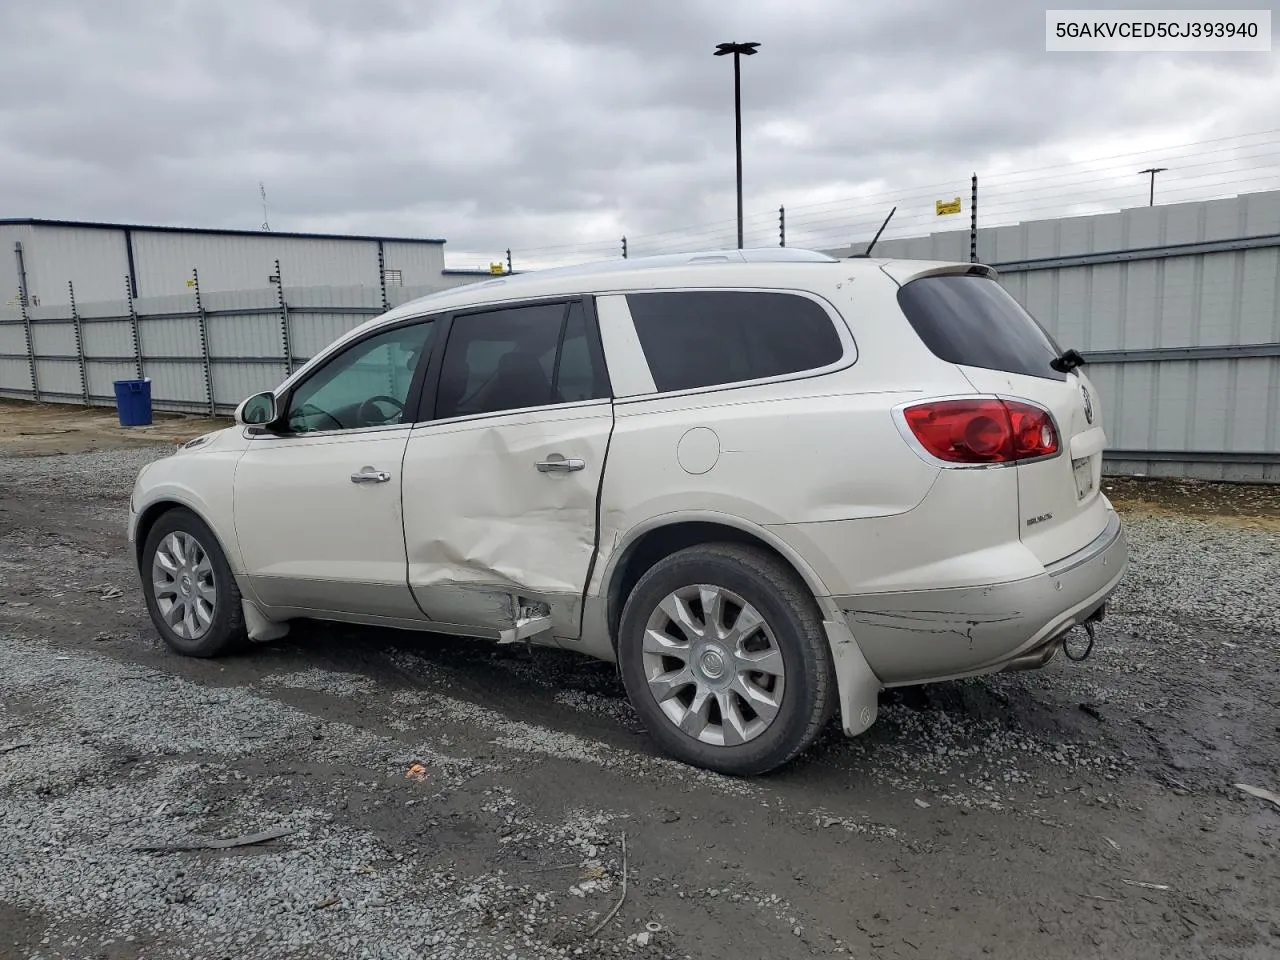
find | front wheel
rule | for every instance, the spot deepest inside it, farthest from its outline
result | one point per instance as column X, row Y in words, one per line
column 723, row 655
column 190, row 591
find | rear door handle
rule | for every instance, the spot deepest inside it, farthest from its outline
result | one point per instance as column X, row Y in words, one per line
column 560, row 465
column 370, row 475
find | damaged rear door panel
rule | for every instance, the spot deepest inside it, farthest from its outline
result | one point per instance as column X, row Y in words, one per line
column 501, row 491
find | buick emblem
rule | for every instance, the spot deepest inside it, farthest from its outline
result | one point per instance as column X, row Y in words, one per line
column 1088, row 405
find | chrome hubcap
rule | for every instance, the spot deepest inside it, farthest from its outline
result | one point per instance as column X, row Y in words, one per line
column 183, row 585
column 713, row 665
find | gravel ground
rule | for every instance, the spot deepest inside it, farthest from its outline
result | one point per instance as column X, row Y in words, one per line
column 439, row 797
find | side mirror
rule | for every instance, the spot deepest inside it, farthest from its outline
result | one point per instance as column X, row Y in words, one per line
column 259, row 410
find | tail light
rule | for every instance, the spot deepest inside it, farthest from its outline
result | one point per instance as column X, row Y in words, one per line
column 982, row 430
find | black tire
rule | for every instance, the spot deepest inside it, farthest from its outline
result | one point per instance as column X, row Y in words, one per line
column 226, row 632
column 809, row 696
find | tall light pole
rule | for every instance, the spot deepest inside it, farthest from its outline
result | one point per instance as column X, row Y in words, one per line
column 737, row 49
column 1151, row 201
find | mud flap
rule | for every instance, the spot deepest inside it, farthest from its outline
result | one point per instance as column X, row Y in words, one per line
column 259, row 628
column 857, row 685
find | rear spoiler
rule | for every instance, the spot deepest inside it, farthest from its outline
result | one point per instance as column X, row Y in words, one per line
column 903, row 272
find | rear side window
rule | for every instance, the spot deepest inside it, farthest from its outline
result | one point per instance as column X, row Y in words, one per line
column 975, row 322
column 707, row 338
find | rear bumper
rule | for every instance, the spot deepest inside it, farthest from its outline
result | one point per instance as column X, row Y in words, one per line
column 943, row 634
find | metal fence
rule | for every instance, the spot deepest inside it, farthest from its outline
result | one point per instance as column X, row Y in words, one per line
column 203, row 353
column 1176, row 308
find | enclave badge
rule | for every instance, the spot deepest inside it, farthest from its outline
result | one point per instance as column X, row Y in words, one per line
column 1088, row 405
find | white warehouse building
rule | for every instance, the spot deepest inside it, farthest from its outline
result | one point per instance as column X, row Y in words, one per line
column 107, row 261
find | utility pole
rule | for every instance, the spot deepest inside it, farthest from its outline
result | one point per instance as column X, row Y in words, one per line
column 738, row 50
column 1151, row 202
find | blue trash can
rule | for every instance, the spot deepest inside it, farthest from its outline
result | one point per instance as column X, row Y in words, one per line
column 133, row 402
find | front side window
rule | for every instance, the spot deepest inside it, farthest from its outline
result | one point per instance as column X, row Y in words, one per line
column 518, row 357
column 704, row 338
column 366, row 385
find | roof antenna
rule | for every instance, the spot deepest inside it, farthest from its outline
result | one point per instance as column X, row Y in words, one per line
column 867, row 252
column 262, row 189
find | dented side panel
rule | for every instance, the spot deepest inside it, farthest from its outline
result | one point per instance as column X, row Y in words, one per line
column 487, row 531
column 922, row 635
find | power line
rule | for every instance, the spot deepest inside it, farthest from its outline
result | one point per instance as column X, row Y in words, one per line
column 1059, row 185
column 1053, row 170
column 1085, row 206
column 1031, row 188
column 1031, row 202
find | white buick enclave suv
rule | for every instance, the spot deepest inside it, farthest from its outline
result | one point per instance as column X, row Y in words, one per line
column 767, row 484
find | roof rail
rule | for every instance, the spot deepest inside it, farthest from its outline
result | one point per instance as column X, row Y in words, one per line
column 749, row 255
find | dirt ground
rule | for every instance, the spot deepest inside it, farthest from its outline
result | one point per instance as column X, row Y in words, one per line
column 46, row 429
column 450, row 798
column 1241, row 504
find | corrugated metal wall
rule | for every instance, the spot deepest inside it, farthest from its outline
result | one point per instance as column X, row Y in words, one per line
column 97, row 260
column 164, row 261
column 9, row 284
column 198, row 360
column 1176, row 308
column 418, row 263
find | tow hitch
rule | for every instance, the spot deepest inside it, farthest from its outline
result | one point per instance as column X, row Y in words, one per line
column 1090, row 627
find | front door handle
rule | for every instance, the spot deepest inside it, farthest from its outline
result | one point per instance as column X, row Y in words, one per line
column 558, row 464
column 370, row 475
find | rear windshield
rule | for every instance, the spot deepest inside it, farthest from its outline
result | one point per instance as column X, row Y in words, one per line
column 975, row 322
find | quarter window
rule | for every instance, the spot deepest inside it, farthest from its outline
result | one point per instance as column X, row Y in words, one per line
column 580, row 374
column 709, row 338
column 519, row 357
column 366, row 385
column 973, row 321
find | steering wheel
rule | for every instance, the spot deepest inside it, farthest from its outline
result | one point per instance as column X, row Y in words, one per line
column 370, row 415
column 306, row 409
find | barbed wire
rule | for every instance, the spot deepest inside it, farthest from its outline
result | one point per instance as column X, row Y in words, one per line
column 1199, row 170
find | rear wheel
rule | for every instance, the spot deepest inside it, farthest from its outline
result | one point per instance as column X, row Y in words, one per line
column 191, row 593
column 723, row 656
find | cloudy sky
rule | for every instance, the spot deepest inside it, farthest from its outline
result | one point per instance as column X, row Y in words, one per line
column 556, row 126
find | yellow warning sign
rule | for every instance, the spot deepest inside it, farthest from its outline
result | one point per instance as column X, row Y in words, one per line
column 496, row 268
column 191, row 282
column 946, row 207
